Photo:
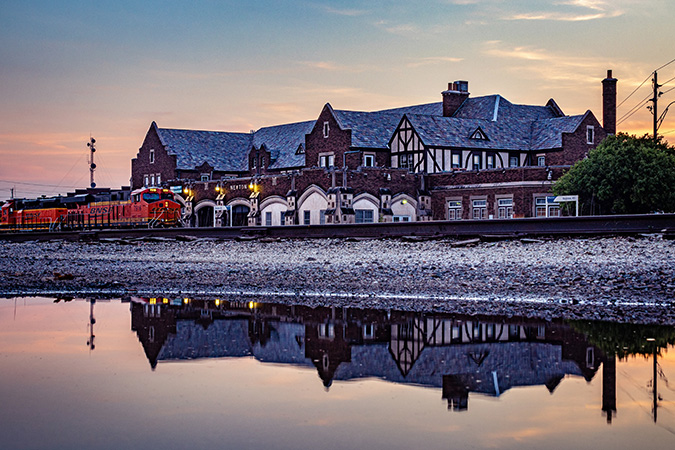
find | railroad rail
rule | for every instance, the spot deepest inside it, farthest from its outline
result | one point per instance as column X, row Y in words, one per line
column 487, row 229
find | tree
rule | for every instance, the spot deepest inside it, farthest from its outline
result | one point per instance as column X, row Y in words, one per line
column 623, row 175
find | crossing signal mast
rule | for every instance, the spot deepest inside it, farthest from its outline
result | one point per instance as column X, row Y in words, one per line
column 92, row 166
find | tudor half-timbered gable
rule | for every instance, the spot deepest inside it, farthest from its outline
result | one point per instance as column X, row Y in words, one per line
column 492, row 133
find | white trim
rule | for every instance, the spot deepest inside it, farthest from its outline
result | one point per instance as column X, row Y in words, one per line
column 496, row 185
column 494, row 116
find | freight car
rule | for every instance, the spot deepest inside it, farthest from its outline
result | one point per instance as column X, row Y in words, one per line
column 149, row 207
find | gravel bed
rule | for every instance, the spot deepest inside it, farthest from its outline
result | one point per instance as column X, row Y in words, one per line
column 614, row 278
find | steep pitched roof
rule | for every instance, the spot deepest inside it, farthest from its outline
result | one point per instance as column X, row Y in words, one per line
column 431, row 109
column 510, row 131
column 282, row 141
column 548, row 133
column 496, row 107
column 369, row 129
column 221, row 150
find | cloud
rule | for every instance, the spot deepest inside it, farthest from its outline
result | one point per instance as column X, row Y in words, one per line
column 575, row 11
column 402, row 29
column 345, row 12
column 433, row 60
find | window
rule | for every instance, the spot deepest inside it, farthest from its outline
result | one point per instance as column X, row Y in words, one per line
column 159, row 179
column 590, row 134
column 369, row 331
column 146, row 180
column 152, row 156
column 455, row 210
column 490, row 162
column 326, row 330
column 254, row 162
column 152, row 180
column 479, row 209
column 205, row 177
column 327, row 160
column 326, row 129
column 322, row 217
column 405, row 161
column 476, row 162
column 546, row 207
column 282, row 217
column 514, row 161
column 541, row 161
column 456, row 160
column 364, row 215
column 505, row 208
column 268, row 219
column 262, row 162
column 540, row 207
column 306, row 217
column 369, row 160
column 401, row 218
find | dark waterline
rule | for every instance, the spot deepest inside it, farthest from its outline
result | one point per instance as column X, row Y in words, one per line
column 187, row 373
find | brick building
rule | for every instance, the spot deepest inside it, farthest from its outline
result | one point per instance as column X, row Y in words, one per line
column 461, row 158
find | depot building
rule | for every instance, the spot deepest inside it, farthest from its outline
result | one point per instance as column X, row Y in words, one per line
column 461, row 158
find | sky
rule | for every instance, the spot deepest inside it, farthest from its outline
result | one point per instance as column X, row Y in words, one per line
column 74, row 69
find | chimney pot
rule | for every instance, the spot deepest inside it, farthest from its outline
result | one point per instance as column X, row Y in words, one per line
column 609, row 103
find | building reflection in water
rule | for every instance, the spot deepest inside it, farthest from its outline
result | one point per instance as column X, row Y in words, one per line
column 458, row 354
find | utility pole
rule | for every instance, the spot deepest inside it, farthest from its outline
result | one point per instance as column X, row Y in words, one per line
column 655, row 100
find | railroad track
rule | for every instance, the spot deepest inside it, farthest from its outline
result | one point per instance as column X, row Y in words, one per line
column 487, row 229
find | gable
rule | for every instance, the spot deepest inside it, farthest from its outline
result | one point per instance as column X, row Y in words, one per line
column 479, row 135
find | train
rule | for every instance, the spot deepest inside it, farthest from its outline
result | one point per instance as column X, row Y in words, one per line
column 104, row 208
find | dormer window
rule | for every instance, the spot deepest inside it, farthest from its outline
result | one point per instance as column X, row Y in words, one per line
column 590, row 134
column 152, row 156
column 326, row 129
column 300, row 150
column 479, row 135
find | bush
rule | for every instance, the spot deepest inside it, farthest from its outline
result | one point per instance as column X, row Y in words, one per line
column 623, row 175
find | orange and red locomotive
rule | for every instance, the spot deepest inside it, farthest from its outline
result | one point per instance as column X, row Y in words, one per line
column 151, row 207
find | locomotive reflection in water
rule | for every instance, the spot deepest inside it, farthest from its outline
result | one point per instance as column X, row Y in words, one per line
column 459, row 354
column 102, row 208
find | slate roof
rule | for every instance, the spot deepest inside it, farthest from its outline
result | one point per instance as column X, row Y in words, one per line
column 282, row 141
column 485, row 107
column 369, row 129
column 223, row 151
column 517, row 127
column 431, row 109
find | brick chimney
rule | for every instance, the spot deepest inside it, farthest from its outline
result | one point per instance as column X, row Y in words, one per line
column 609, row 103
column 457, row 92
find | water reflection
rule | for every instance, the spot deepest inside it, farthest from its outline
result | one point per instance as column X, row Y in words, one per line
column 460, row 355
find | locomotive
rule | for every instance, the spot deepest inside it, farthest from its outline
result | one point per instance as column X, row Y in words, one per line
column 149, row 207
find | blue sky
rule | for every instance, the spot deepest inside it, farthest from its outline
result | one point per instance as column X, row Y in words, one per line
column 74, row 68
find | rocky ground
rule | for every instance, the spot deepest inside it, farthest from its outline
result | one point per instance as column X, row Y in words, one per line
column 613, row 278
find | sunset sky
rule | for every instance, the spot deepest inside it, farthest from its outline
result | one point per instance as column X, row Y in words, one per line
column 71, row 69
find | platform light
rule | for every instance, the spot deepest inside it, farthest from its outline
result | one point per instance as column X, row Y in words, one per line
column 186, row 301
column 165, row 300
column 404, row 202
column 153, row 301
column 217, row 302
column 252, row 305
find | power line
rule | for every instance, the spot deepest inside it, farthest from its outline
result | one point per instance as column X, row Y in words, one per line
column 666, row 64
column 634, row 91
column 633, row 110
column 39, row 184
column 645, row 80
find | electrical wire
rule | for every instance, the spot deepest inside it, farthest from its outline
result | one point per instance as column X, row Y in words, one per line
column 633, row 110
column 38, row 184
column 634, row 91
column 666, row 64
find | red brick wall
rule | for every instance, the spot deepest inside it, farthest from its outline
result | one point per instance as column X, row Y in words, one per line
column 164, row 164
column 338, row 141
